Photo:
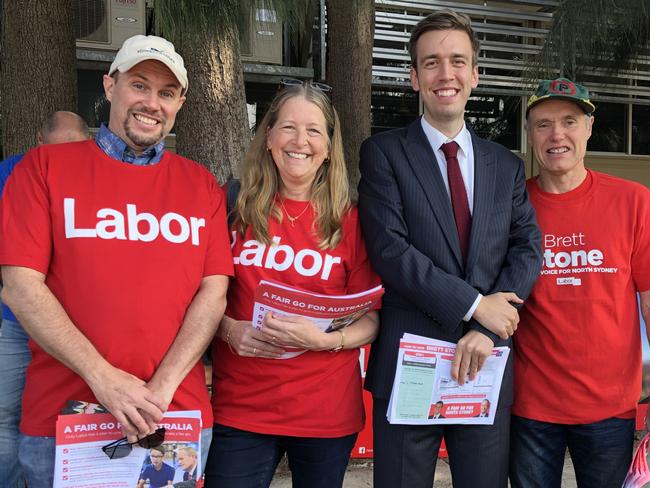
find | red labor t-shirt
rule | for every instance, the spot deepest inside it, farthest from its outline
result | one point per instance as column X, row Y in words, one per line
column 316, row 394
column 124, row 249
column 578, row 346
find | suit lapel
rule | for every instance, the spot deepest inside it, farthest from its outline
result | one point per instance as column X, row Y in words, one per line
column 484, row 184
column 425, row 167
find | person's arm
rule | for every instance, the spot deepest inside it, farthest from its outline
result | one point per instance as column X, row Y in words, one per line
column 520, row 268
column 245, row 340
column 516, row 278
column 198, row 328
column 295, row 331
column 124, row 395
column 471, row 352
column 441, row 296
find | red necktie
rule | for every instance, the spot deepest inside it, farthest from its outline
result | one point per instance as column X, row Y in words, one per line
column 458, row 196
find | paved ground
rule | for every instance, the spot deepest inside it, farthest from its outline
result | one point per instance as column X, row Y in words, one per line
column 359, row 475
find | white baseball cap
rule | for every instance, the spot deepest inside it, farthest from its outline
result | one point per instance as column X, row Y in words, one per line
column 140, row 48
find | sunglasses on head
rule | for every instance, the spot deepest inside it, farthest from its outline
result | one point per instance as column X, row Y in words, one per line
column 122, row 447
column 322, row 87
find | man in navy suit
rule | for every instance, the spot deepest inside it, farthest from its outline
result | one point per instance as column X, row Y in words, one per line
column 450, row 230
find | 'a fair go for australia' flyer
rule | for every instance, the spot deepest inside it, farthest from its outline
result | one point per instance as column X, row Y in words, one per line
column 328, row 312
column 81, row 463
column 424, row 392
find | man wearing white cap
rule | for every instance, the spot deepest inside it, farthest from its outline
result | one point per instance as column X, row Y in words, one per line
column 119, row 267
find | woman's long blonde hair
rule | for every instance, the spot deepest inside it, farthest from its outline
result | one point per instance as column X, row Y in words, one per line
column 260, row 180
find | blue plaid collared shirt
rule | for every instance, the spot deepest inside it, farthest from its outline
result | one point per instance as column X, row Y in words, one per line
column 116, row 148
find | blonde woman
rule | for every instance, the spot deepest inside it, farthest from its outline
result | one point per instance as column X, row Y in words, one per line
column 293, row 223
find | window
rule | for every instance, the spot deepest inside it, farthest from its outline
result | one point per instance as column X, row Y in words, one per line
column 609, row 132
column 92, row 105
column 641, row 129
column 392, row 108
column 496, row 118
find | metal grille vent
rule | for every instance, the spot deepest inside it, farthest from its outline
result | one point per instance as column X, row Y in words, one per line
column 91, row 22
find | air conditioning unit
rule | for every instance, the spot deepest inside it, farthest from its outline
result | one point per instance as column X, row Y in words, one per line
column 105, row 24
column 261, row 36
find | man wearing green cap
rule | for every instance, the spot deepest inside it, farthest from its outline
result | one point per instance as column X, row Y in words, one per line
column 577, row 349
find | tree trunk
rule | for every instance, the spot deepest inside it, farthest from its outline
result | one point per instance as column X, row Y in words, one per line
column 350, row 31
column 38, row 67
column 212, row 127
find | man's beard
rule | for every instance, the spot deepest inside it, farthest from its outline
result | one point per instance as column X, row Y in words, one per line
column 142, row 140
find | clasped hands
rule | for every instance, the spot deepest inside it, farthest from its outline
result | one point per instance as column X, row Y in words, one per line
column 497, row 314
column 277, row 333
column 136, row 404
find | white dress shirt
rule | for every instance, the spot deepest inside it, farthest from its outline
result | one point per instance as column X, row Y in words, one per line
column 465, row 158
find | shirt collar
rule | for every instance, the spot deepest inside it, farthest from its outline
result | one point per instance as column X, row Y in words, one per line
column 116, row 148
column 437, row 138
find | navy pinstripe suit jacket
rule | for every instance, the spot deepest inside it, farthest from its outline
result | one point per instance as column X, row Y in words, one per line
column 411, row 236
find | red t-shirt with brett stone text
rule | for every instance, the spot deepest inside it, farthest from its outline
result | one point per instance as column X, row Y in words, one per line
column 123, row 249
column 316, row 394
column 578, row 346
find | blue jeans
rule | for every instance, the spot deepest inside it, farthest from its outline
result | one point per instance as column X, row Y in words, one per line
column 601, row 452
column 241, row 459
column 37, row 454
column 14, row 358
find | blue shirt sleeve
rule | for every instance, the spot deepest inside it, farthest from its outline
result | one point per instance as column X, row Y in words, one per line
column 6, row 167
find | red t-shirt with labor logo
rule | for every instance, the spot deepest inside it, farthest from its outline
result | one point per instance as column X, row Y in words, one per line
column 578, row 346
column 124, row 249
column 316, row 394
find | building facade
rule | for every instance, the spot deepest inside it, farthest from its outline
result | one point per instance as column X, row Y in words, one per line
column 511, row 33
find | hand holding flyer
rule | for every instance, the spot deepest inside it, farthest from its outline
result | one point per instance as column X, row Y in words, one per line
column 424, row 392
column 327, row 312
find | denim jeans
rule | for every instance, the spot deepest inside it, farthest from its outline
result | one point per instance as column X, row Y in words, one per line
column 241, row 459
column 206, row 441
column 601, row 452
column 14, row 358
column 37, row 455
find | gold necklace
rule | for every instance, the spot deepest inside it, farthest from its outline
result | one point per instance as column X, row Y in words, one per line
column 291, row 218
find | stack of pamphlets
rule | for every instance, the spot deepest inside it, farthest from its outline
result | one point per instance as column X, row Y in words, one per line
column 80, row 461
column 424, row 392
column 328, row 312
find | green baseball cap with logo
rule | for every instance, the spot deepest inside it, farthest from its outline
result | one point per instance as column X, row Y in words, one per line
column 563, row 89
